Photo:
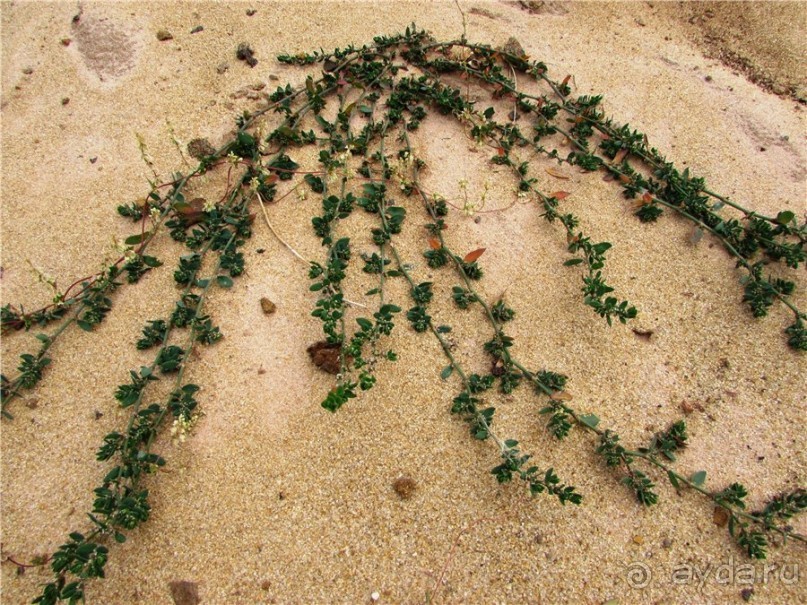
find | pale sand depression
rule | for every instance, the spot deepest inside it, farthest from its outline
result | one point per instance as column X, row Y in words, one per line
column 275, row 500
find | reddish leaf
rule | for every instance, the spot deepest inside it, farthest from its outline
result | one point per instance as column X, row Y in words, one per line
column 560, row 195
column 192, row 212
column 566, row 80
column 620, row 156
column 434, row 243
column 473, row 256
column 500, row 151
column 647, row 198
column 561, row 396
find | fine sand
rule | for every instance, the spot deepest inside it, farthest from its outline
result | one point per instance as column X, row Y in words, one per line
column 275, row 500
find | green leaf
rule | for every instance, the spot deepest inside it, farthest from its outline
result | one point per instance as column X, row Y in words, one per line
column 673, row 480
column 446, row 372
column 84, row 325
column 151, row 261
column 136, row 239
column 119, row 537
column 364, row 323
column 224, row 282
column 590, row 420
column 698, row 478
column 572, row 261
column 373, row 291
column 784, row 217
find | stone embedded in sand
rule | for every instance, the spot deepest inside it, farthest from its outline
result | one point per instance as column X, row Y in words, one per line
column 720, row 516
column 513, row 47
column 538, row 7
column 246, row 54
column 267, row 306
column 405, row 487
column 164, row 34
column 326, row 356
column 199, row 148
column 184, row 592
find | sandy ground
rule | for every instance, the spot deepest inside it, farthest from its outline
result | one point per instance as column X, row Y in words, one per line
column 274, row 500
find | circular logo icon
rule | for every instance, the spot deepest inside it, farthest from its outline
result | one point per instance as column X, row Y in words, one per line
column 638, row 575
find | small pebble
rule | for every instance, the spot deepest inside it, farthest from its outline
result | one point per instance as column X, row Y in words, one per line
column 199, row 148
column 245, row 53
column 66, row 41
column 375, row 596
column 197, row 29
column 720, row 516
column 746, row 594
column 184, row 592
column 164, row 34
column 666, row 543
column 65, row 100
column 251, row 11
column 28, row 71
column 404, row 486
column 268, row 306
column 222, row 68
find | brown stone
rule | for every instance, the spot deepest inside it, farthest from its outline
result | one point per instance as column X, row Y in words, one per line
column 184, row 592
